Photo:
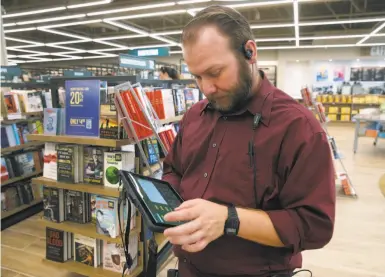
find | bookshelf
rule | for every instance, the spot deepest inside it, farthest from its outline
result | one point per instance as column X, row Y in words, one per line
column 21, row 147
column 87, row 229
column 80, row 140
column 20, row 178
column 91, row 271
column 6, row 214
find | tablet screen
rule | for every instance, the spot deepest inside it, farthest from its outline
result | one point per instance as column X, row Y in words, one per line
column 159, row 198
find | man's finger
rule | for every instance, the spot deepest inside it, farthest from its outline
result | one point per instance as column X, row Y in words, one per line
column 187, row 239
column 195, row 247
column 186, row 214
column 183, row 230
column 188, row 204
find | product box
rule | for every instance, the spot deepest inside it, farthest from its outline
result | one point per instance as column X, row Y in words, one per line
column 345, row 110
column 345, row 117
column 371, row 133
column 332, row 117
column 333, row 109
column 355, row 112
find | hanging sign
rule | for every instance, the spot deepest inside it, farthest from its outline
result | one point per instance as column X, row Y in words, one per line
column 151, row 52
column 9, row 72
column 136, row 62
column 77, row 73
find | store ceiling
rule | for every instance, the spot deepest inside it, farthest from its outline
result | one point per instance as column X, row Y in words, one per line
column 69, row 29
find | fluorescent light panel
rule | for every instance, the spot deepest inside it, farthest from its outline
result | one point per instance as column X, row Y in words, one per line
column 347, row 21
column 62, row 33
column 71, row 23
column 9, row 24
column 375, row 31
column 126, row 27
column 137, row 8
column 89, row 4
column 34, row 12
column 19, row 30
column 23, row 40
column 296, row 20
column 142, row 15
column 110, row 43
column 57, row 18
column 192, row 2
column 267, row 26
column 259, row 4
column 122, row 37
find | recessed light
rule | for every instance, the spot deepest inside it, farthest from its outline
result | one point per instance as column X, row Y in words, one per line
column 358, row 60
column 297, row 61
column 330, row 60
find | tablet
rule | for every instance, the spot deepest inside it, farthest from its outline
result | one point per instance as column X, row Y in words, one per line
column 154, row 198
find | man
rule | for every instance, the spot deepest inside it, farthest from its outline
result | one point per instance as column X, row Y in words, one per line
column 253, row 165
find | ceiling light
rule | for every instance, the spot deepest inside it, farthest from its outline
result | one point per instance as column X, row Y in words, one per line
column 141, row 15
column 191, row 12
column 98, row 57
column 63, row 47
column 89, row 4
column 330, row 60
column 296, row 20
column 16, row 61
column 149, row 46
column 23, row 40
column 192, row 2
column 70, row 41
column 121, row 37
column 267, row 3
column 125, row 26
column 164, row 39
column 19, row 30
column 109, row 49
column 358, row 60
column 29, row 46
column 375, row 31
column 61, row 33
column 57, row 18
column 110, row 43
column 71, row 23
column 34, row 12
column 27, row 51
column 331, row 37
column 168, row 33
column 9, row 24
column 297, row 61
column 176, row 52
column 274, row 39
column 272, row 26
column 68, row 59
column 347, row 21
column 137, row 8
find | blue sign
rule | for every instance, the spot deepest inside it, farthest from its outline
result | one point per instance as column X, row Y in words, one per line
column 9, row 72
column 136, row 62
column 151, row 52
column 82, row 108
column 77, row 73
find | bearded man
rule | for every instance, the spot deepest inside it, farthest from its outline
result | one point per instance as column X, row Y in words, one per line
column 253, row 165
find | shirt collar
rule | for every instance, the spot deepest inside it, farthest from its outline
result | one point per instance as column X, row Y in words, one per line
column 260, row 103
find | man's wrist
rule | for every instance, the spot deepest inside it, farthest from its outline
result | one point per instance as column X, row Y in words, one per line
column 232, row 222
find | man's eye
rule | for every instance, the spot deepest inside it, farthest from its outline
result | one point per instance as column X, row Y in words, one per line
column 215, row 74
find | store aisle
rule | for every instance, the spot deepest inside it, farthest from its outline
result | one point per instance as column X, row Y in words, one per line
column 357, row 248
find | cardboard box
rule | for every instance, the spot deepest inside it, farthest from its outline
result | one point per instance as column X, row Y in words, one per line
column 333, row 109
column 332, row 117
column 345, row 110
column 345, row 117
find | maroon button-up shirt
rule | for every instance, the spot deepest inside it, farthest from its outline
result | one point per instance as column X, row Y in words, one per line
column 294, row 177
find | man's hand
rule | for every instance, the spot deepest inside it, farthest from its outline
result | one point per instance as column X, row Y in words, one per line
column 206, row 223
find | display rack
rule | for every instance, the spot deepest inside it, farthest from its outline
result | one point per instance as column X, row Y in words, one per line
column 319, row 112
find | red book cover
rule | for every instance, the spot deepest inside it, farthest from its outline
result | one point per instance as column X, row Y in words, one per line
column 159, row 104
column 129, row 105
column 165, row 141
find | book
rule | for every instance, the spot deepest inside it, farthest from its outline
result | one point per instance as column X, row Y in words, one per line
column 93, row 165
column 107, row 216
column 86, row 250
column 57, row 245
column 115, row 161
column 53, row 203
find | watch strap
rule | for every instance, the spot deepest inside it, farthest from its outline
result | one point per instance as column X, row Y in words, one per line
column 232, row 222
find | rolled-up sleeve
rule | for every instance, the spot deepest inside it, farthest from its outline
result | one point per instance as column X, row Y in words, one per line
column 172, row 164
column 306, row 220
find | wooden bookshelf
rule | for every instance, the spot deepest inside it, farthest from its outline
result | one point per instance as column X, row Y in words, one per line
column 86, row 229
column 5, row 214
column 80, row 140
column 89, row 188
column 171, row 119
column 89, row 271
column 21, row 147
column 16, row 179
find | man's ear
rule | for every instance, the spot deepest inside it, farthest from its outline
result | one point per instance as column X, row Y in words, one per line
column 251, row 47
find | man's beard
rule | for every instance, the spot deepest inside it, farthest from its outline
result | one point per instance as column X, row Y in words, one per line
column 238, row 95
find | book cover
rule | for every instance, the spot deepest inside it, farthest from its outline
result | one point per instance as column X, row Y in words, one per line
column 51, row 117
column 4, row 170
column 50, row 161
column 93, row 165
column 65, row 164
column 85, row 250
column 75, row 206
column 56, row 245
column 82, row 108
column 106, row 216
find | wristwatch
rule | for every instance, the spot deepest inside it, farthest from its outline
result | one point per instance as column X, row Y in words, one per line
column 232, row 221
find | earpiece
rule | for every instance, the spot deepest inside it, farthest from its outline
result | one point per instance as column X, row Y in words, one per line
column 248, row 54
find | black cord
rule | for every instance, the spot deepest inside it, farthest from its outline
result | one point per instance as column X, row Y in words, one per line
column 302, row 270
column 254, row 169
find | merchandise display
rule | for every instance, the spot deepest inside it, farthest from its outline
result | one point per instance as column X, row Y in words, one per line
column 94, row 97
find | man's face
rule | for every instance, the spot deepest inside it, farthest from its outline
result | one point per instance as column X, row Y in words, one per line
column 224, row 78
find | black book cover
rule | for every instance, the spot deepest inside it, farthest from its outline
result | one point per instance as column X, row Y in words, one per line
column 65, row 164
column 55, row 245
column 51, row 203
column 93, row 165
column 4, row 138
column 75, row 206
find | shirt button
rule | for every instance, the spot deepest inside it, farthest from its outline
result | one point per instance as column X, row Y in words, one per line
column 225, row 117
column 185, row 260
column 214, row 145
column 205, row 175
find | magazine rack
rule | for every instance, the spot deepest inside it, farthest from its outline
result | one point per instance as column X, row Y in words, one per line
column 152, row 126
column 319, row 111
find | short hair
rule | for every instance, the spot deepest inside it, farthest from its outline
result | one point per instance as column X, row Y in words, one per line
column 228, row 21
column 172, row 73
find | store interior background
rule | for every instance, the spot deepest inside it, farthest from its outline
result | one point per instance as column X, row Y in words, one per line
column 358, row 245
